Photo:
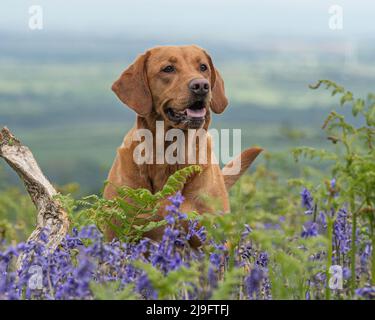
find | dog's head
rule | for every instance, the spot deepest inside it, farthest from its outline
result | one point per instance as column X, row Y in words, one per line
column 178, row 84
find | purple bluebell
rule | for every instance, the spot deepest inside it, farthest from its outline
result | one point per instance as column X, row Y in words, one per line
column 346, row 273
column 246, row 231
column 177, row 199
column 342, row 231
column 262, row 260
column 253, row 283
column 310, row 229
column 365, row 254
column 195, row 231
column 307, row 201
column 332, row 183
column 144, row 287
column 322, row 219
column 215, row 259
column 366, row 292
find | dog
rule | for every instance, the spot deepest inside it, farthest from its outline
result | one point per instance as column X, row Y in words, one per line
column 180, row 86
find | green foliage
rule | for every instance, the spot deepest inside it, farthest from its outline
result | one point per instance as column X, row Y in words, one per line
column 228, row 287
column 113, row 291
column 17, row 215
column 353, row 167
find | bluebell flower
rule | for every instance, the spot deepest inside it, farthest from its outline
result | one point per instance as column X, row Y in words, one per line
column 212, row 277
column 346, row 273
column 170, row 219
column 246, row 251
column 366, row 292
column 333, row 183
column 310, row 229
column 44, row 235
column 144, row 287
column 253, row 283
column 271, row 226
column 323, row 219
column 174, row 209
column 195, row 230
column 262, row 259
column 307, row 295
column 307, row 201
column 177, row 199
column 201, row 234
column 365, row 254
column 219, row 246
column 342, row 231
column 246, row 232
column 215, row 259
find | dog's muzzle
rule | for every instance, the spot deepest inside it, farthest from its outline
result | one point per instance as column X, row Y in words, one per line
column 194, row 116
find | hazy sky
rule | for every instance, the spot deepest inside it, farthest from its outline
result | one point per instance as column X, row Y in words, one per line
column 191, row 18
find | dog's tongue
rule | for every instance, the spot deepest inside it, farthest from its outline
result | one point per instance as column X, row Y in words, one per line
column 196, row 113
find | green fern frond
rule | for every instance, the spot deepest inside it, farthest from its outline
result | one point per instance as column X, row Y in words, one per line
column 177, row 181
column 133, row 211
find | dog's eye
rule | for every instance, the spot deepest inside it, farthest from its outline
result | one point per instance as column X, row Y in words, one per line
column 168, row 69
column 203, row 67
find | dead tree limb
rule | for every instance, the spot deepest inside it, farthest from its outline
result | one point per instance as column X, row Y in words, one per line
column 51, row 217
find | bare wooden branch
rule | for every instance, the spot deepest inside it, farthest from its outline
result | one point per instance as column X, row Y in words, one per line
column 51, row 216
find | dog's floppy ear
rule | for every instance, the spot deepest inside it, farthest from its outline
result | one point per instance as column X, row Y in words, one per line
column 219, row 101
column 132, row 87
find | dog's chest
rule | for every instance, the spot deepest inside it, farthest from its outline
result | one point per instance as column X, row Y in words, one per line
column 159, row 174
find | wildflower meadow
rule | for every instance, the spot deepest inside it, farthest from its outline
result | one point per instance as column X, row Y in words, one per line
column 308, row 237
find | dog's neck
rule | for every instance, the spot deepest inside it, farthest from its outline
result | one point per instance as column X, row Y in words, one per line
column 154, row 172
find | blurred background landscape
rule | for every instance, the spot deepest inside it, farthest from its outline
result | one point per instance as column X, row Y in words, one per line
column 55, row 83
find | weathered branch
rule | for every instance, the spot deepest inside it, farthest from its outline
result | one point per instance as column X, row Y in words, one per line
column 51, row 217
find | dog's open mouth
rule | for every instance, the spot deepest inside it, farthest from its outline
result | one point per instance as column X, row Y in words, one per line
column 194, row 115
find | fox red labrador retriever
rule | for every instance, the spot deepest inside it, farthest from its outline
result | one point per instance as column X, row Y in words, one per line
column 180, row 86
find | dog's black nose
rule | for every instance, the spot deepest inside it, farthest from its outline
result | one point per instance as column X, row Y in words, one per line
column 199, row 86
